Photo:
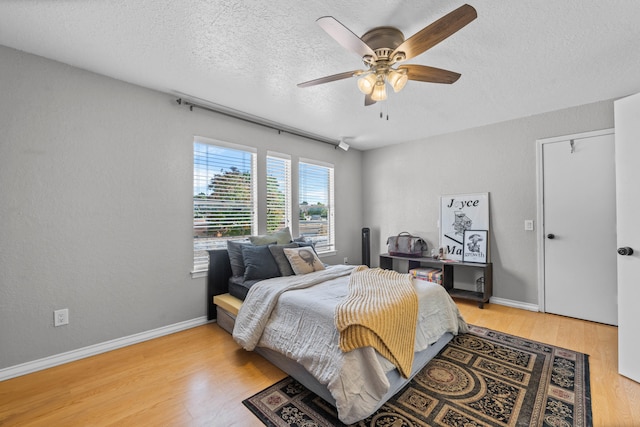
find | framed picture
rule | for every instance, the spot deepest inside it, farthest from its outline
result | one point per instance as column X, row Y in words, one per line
column 460, row 212
column 476, row 246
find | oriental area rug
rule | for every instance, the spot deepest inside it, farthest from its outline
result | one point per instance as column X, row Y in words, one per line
column 482, row 378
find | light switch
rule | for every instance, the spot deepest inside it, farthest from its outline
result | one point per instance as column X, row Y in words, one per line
column 528, row 225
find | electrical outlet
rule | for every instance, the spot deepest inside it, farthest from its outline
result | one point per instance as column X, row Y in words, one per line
column 61, row 317
column 346, row 260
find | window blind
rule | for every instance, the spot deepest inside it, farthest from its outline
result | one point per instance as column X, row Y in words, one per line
column 278, row 192
column 224, row 198
column 316, row 187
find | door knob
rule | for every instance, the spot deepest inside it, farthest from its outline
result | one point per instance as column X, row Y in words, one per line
column 626, row 250
column 551, row 236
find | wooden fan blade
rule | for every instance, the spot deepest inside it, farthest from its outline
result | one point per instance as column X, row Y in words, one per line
column 368, row 100
column 436, row 32
column 345, row 36
column 328, row 79
column 422, row 73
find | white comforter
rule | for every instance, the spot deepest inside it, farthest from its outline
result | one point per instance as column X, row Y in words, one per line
column 294, row 315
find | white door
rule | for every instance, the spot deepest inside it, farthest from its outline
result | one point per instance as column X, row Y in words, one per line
column 579, row 226
column 627, row 119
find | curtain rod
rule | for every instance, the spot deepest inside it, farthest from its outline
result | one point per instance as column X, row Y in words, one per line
column 259, row 121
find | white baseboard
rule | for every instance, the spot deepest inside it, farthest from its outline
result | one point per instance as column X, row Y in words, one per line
column 514, row 304
column 92, row 350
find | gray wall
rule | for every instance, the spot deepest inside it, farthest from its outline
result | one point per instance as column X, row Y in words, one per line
column 95, row 200
column 96, row 180
column 402, row 185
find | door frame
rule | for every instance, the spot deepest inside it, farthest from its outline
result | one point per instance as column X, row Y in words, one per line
column 540, row 201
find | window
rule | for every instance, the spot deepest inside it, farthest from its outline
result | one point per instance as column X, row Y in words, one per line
column 315, row 189
column 278, row 192
column 224, row 196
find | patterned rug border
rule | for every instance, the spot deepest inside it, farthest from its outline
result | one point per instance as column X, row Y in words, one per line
column 480, row 331
column 303, row 408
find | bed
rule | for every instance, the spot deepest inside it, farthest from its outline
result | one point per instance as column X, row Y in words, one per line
column 357, row 382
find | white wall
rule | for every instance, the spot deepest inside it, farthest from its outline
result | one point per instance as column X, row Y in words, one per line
column 96, row 179
column 402, row 185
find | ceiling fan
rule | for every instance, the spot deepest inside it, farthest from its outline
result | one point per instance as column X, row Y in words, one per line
column 383, row 47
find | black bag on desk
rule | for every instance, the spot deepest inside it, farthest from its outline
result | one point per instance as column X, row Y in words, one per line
column 404, row 244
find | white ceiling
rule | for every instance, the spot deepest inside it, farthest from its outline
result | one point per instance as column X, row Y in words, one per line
column 517, row 58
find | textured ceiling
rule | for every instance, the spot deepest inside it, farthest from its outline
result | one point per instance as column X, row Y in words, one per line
column 517, row 58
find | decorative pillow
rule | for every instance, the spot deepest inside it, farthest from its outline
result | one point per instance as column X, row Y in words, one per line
column 234, row 248
column 281, row 259
column 259, row 263
column 303, row 260
column 280, row 237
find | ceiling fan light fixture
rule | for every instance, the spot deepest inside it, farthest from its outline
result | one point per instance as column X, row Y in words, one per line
column 366, row 83
column 381, row 48
column 397, row 80
column 379, row 91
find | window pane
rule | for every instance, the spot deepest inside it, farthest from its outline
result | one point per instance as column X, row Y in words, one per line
column 278, row 193
column 223, row 198
column 316, row 205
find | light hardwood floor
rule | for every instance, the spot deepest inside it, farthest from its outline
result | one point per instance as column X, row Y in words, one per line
column 199, row 377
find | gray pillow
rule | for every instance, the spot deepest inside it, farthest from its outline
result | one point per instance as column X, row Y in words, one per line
column 278, row 255
column 304, row 243
column 259, row 263
column 234, row 248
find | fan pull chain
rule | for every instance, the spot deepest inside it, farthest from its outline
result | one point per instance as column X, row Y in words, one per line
column 386, row 108
column 382, row 115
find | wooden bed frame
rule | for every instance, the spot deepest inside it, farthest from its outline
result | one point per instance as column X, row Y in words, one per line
column 224, row 307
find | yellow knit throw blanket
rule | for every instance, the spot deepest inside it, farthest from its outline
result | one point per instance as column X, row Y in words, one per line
column 380, row 311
